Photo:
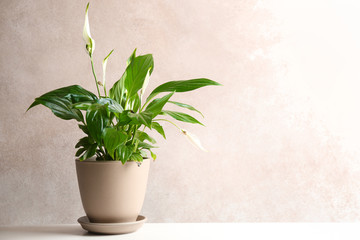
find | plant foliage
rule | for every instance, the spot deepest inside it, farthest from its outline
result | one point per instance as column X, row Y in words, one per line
column 115, row 123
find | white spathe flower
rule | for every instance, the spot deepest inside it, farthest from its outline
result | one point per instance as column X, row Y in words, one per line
column 90, row 42
column 104, row 66
column 194, row 140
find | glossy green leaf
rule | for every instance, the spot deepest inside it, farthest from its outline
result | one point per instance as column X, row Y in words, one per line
column 112, row 105
column 117, row 92
column 144, row 118
column 72, row 94
column 132, row 56
column 84, row 142
column 145, row 84
column 158, row 128
column 107, row 104
column 136, row 73
column 144, row 145
column 96, row 121
column 134, row 103
column 124, row 152
column 80, row 151
column 142, row 136
column 186, row 106
column 182, row 86
column 60, row 101
column 153, row 155
column 83, row 105
column 112, row 139
column 61, row 108
column 143, row 153
column 89, row 152
column 124, row 118
column 84, row 129
column 136, row 157
column 156, row 105
column 181, row 117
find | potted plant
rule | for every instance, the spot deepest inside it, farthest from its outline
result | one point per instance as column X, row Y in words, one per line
column 112, row 159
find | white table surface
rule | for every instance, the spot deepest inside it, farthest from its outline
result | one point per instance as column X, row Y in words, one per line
column 169, row 231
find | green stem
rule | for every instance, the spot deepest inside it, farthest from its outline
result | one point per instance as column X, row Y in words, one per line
column 93, row 71
column 133, row 140
column 126, row 102
column 146, row 103
column 129, row 129
column 105, row 90
column 168, row 122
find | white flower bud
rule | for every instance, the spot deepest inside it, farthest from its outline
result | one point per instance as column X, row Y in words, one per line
column 194, row 140
column 90, row 43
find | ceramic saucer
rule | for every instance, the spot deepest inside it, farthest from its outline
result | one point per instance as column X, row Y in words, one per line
column 112, row 228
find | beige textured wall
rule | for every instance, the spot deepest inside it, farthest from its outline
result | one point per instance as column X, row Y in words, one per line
column 282, row 132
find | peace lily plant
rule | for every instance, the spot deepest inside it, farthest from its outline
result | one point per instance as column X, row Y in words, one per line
column 115, row 121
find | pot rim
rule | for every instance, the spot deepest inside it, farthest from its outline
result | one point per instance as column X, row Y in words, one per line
column 93, row 161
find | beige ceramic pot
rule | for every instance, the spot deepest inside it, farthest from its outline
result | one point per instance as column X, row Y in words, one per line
column 112, row 192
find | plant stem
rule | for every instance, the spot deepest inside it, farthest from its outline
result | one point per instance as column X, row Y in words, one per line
column 129, row 129
column 133, row 140
column 126, row 103
column 168, row 122
column 105, row 90
column 146, row 103
column 93, row 71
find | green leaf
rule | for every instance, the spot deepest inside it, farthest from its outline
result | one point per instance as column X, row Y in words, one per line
column 96, row 121
column 86, row 145
column 117, row 92
column 136, row 157
column 182, row 86
column 124, row 118
column 156, row 105
column 132, row 56
column 144, row 118
column 186, row 106
column 84, row 128
column 134, row 103
column 144, row 136
column 113, row 139
column 90, row 42
column 89, row 152
column 83, row 105
column 143, row 153
column 107, row 104
column 153, row 155
column 84, row 142
column 60, row 101
column 80, row 151
column 113, row 106
column 181, row 117
column 61, row 108
column 124, row 152
column 158, row 128
column 145, row 145
column 136, row 73
column 145, row 84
